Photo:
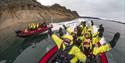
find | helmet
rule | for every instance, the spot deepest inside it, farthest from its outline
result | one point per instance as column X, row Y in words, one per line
column 89, row 30
column 68, row 40
column 68, row 37
column 70, row 30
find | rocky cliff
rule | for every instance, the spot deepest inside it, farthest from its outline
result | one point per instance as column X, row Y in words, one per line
column 15, row 14
column 21, row 11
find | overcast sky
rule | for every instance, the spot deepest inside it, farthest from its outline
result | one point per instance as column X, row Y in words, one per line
column 106, row 9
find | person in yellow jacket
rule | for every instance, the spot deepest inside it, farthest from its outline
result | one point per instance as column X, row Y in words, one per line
column 96, row 37
column 65, row 43
column 37, row 25
column 84, row 28
column 96, row 50
column 90, row 27
column 32, row 26
column 76, row 34
column 106, row 47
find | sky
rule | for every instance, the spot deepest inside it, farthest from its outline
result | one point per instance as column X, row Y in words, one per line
column 105, row 9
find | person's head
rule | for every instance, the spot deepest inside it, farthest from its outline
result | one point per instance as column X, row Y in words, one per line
column 87, row 45
column 67, row 40
column 97, row 44
column 83, row 23
column 87, row 35
column 60, row 28
column 73, row 34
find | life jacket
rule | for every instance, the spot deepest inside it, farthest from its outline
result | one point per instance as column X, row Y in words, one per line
column 37, row 25
column 32, row 26
column 78, row 40
column 88, row 52
column 29, row 26
column 96, row 40
column 63, row 55
column 84, row 30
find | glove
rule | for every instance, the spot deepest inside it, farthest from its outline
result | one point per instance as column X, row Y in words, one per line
column 100, row 34
column 115, row 39
column 92, row 23
column 64, row 27
column 50, row 31
column 101, row 30
column 61, row 32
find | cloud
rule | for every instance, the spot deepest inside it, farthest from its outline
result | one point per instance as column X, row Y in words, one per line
column 108, row 9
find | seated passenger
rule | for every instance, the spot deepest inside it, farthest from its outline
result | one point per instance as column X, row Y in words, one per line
column 69, row 52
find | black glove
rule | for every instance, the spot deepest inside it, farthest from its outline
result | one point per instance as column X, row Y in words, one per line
column 61, row 32
column 50, row 31
column 101, row 30
column 84, row 23
column 92, row 23
column 64, row 27
column 115, row 39
column 100, row 34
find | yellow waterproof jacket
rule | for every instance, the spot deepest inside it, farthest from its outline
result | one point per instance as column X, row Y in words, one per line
column 95, row 38
column 84, row 30
column 70, row 30
column 101, row 49
column 32, row 26
column 90, row 29
column 95, row 34
column 74, row 50
column 81, row 38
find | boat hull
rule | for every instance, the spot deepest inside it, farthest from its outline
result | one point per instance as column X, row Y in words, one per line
column 33, row 32
column 51, row 54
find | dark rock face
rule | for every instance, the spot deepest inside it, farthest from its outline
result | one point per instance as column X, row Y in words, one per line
column 15, row 14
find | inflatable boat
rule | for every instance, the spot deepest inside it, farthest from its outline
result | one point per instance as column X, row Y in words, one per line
column 51, row 56
column 22, row 33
